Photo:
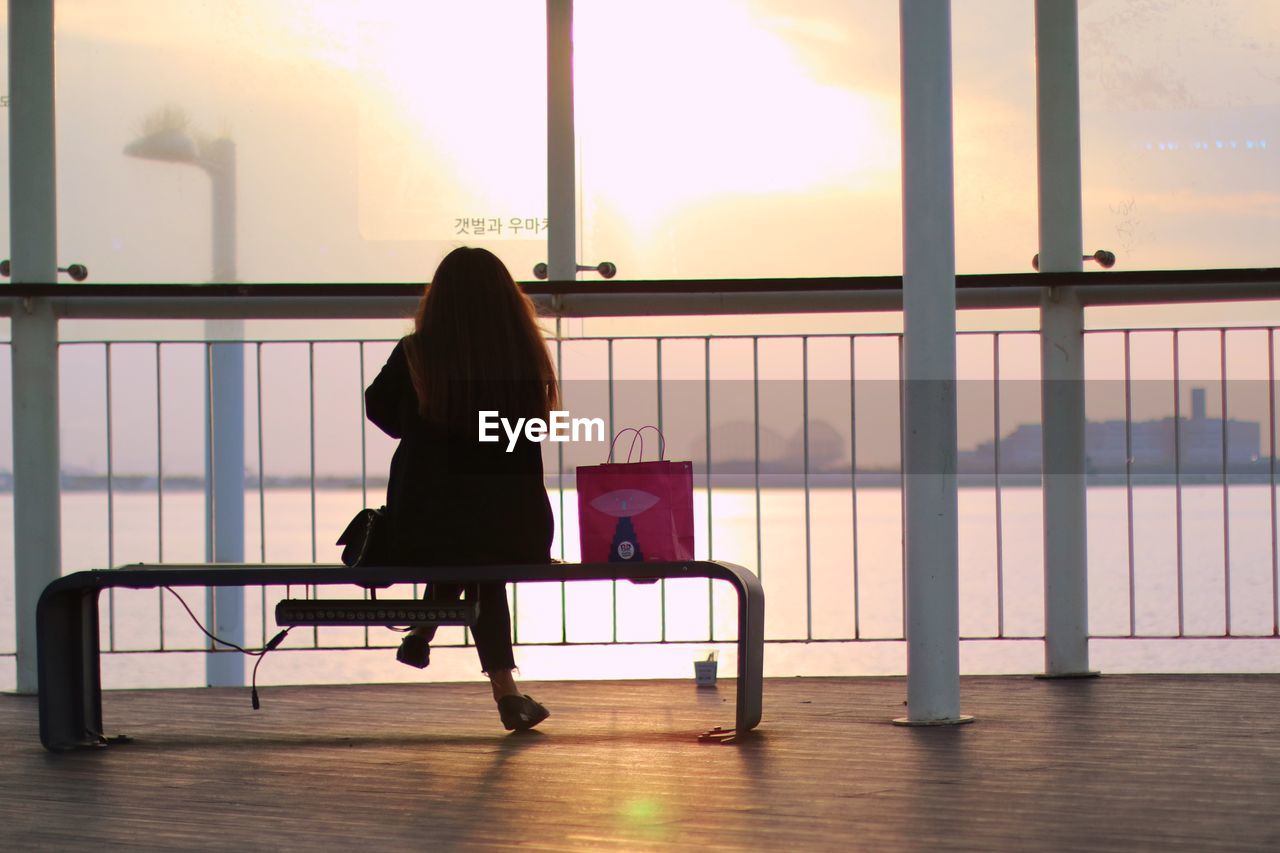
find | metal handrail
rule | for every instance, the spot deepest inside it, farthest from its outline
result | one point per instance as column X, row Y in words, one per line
column 639, row 297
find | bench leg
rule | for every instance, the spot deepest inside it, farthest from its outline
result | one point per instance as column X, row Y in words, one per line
column 68, row 666
column 750, row 661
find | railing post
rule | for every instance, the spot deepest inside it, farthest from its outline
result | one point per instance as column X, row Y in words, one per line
column 562, row 252
column 37, row 538
column 224, row 496
column 1066, row 601
column 929, row 323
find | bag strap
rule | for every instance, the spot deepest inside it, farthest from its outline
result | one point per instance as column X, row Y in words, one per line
column 639, row 436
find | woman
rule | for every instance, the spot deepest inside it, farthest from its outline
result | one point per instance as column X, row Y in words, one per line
column 451, row 499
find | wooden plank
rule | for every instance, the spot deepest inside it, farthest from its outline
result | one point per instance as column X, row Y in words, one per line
column 1118, row 763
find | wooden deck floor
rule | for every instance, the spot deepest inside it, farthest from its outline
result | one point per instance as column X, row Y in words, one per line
column 1118, row 763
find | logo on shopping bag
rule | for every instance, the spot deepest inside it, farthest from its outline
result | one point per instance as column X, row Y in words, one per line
column 624, row 503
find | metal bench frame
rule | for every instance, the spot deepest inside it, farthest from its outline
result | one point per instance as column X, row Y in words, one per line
column 68, row 654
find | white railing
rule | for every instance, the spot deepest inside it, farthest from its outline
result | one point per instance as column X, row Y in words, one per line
column 825, row 538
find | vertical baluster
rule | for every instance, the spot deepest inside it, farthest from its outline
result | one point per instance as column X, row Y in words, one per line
column 211, row 506
column 111, row 509
column 560, row 463
column 853, row 479
column 311, row 465
column 995, row 368
column 1226, row 490
column 159, row 487
column 662, row 584
column 658, row 356
column 755, row 401
column 1128, row 481
column 364, row 466
column 262, row 590
column 1271, row 466
column 808, row 538
column 262, row 479
column 564, row 597
column 364, row 449
column 711, row 521
column 612, row 428
column 1177, row 483
column 902, row 478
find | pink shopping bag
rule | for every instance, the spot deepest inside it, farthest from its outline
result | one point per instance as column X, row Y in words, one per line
column 632, row 511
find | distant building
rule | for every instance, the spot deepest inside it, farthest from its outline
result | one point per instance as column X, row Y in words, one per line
column 1151, row 443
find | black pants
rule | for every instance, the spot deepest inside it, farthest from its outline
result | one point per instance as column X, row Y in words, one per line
column 492, row 631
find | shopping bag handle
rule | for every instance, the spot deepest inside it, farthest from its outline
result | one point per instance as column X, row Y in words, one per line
column 639, row 436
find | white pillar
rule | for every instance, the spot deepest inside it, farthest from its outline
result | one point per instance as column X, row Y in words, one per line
column 37, row 540
column 562, row 252
column 224, row 497
column 224, row 477
column 929, row 322
column 1066, row 600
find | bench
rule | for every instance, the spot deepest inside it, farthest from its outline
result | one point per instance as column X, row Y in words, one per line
column 67, row 642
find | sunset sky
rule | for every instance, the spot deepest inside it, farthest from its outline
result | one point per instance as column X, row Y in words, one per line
column 366, row 131
column 715, row 139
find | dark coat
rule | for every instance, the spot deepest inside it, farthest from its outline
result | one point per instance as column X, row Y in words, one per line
column 451, row 499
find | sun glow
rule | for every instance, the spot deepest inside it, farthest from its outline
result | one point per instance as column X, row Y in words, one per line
column 454, row 125
column 680, row 103
column 677, row 104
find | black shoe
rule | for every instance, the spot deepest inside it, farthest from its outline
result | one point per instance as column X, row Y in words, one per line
column 520, row 713
column 414, row 651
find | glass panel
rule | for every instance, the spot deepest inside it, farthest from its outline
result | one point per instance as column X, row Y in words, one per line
column 1179, row 115
column 734, row 139
column 363, row 140
column 993, row 77
column 762, row 139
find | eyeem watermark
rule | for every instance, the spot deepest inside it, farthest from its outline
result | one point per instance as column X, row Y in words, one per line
column 561, row 427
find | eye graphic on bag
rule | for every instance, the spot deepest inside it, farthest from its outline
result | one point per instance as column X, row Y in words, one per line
column 624, row 503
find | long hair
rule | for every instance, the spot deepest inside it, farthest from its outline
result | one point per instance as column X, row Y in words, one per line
column 476, row 346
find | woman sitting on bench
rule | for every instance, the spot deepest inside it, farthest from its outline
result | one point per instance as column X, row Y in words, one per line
column 452, row 499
